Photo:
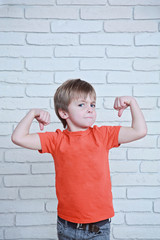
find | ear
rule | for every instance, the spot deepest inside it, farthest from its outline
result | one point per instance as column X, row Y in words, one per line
column 63, row 114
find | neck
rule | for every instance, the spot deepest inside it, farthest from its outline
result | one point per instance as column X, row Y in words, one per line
column 75, row 129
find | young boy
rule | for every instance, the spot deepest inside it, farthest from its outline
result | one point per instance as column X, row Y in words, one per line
column 80, row 153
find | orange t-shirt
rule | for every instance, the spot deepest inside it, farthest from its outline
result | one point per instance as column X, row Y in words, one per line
column 83, row 184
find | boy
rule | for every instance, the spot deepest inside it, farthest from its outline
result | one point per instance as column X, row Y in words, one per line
column 80, row 153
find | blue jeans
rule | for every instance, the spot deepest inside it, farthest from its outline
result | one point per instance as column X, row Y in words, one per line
column 68, row 232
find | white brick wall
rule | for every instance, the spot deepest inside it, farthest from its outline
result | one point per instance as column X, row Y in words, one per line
column 113, row 44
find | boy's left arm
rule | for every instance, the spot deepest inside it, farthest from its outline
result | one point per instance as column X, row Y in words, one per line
column 138, row 128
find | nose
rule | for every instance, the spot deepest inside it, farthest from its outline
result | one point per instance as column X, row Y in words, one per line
column 89, row 109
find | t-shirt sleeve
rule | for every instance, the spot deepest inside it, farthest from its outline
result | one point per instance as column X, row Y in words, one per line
column 110, row 135
column 48, row 142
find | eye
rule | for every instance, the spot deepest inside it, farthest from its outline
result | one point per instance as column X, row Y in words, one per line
column 81, row 104
column 93, row 105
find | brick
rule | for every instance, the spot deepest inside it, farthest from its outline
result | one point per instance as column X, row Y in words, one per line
column 23, row 103
column 8, row 194
column 11, row 12
column 143, row 219
column 153, row 128
column 150, row 167
column 126, row 179
column 134, row 2
column 119, row 192
column 152, row 115
column 127, row 232
column 27, row 51
column 112, row 116
column 0, row 181
column 133, row 77
column 89, row 76
column 123, row 167
column 24, row 155
column 51, row 205
column 82, row 2
column 19, row 206
column 75, row 26
column 35, row 219
column 143, row 193
column 5, row 128
column 51, row 64
column 106, row 13
column 5, row 142
column 1, row 159
column 27, row 77
column 27, row 2
column 108, row 102
column 131, row 52
column 8, row 64
column 112, row 91
column 150, row 39
column 7, row 116
column 1, row 233
column 144, row 154
column 118, row 219
column 147, row 102
column 109, row 64
column 36, row 232
column 38, row 193
column 14, row 169
column 159, row 142
column 12, row 91
column 52, row 39
column 52, row 12
column 117, row 39
column 24, row 25
column 40, row 91
column 117, row 154
column 146, row 65
column 80, row 51
column 130, row 26
column 151, row 90
column 132, row 205
column 147, row 12
column 147, row 142
column 6, row 220
column 29, row 181
column 42, row 168
column 12, row 38
column 157, row 206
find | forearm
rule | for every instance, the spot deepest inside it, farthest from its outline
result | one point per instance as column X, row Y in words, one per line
column 138, row 127
column 21, row 135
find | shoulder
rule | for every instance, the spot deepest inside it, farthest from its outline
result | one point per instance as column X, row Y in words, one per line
column 99, row 131
column 106, row 130
column 54, row 134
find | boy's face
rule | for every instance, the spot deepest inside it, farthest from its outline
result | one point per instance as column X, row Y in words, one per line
column 81, row 113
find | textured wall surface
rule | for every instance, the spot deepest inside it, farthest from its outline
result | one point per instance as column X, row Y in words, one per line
column 114, row 45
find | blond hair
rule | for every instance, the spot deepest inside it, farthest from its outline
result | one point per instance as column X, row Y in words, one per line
column 68, row 91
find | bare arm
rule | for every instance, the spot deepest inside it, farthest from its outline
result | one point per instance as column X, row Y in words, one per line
column 21, row 135
column 138, row 128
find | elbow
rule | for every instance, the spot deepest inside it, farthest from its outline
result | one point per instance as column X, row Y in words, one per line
column 143, row 133
column 14, row 139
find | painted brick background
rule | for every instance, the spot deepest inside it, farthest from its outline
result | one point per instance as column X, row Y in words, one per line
column 113, row 44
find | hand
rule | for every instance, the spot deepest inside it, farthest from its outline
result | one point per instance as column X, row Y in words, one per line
column 121, row 103
column 43, row 117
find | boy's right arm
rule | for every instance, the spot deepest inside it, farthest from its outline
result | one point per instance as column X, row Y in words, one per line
column 21, row 135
